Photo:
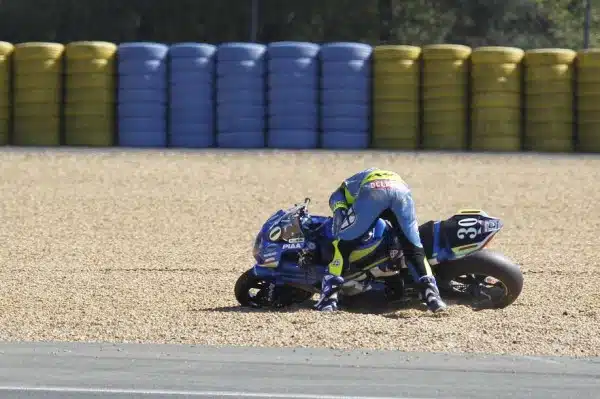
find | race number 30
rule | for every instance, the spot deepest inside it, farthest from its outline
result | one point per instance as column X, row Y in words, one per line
column 466, row 228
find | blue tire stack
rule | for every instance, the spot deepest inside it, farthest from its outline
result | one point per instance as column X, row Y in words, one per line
column 241, row 105
column 345, row 95
column 293, row 95
column 142, row 94
column 191, row 113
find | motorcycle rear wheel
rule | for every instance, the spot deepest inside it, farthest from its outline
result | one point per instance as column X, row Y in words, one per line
column 488, row 276
column 279, row 297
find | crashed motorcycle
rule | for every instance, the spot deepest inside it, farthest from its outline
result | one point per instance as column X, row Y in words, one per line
column 454, row 247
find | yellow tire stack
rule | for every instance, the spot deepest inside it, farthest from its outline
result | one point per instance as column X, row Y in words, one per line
column 496, row 98
column 549, row 100
column 445, row 96
column 588, row 100
column 396, row 97
column 37, row 95
column 90, row 94
column 6, row 51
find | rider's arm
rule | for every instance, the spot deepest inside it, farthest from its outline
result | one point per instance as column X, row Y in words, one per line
column 337, row 200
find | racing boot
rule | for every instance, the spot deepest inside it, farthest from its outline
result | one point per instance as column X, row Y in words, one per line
column 333, row 281
column 431, row 294
column 329, row 293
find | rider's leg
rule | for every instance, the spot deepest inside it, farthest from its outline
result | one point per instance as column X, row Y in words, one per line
column 347, row 227
column 404, row 210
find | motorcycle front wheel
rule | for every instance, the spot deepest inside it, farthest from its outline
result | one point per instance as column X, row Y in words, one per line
column 252, row 291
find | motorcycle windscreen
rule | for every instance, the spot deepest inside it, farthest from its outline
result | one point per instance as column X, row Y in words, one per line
column 291, row 231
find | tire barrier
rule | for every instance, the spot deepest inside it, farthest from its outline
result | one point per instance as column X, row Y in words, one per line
column 444, row 93
column 588, row 100
column 549, row 104
column 241, row 99
column 293, row 95
column 299, row 95
column 396, row 105
column 37, row 95
column 6, row 52
column 345, row 95
column 142, row 94
column 191, row 95
column 89, row 102
column 496, row 74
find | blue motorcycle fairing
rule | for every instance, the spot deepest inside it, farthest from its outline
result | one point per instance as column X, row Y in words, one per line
column 289, row 273
column 269, row 254
column 273, row 220
column 440, row 254
column 279, row 234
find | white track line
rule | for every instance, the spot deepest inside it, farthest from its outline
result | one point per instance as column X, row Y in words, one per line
column 186, row 393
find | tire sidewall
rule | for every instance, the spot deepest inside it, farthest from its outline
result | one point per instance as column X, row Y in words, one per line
column 486, row 262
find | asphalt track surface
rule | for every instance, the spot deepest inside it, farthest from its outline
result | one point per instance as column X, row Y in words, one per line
column 92, row 370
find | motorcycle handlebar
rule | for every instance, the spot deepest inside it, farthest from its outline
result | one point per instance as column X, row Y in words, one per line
column 302, row 208
column 305, row 205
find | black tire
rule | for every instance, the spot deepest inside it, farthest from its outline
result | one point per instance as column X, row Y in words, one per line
column 485, row 263
column 285, row 295
column 243, row 285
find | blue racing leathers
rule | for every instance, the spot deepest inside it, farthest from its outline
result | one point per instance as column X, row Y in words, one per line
column 356, row 204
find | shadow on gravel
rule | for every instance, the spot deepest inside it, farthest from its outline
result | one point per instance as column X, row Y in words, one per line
column 374, row 303
column 307, row 305
column 367, row 303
